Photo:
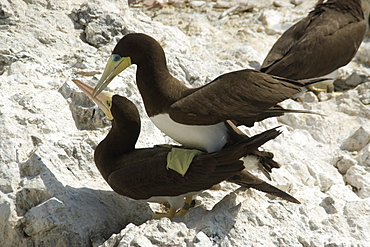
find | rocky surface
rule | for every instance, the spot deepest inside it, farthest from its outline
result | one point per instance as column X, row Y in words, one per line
column 51, row 193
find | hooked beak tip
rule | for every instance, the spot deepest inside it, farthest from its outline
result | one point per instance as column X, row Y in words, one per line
column 95, row 93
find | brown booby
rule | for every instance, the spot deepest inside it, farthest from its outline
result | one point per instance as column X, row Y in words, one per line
column 196, row 117
column 327, row 39
column 142, row 174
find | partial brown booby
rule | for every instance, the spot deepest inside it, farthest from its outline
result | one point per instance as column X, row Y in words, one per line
column 196, row 117
column 142, row 174
column 327, row 39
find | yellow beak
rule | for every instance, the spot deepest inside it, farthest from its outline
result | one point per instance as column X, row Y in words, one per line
column 103, row 100
column 115, row 65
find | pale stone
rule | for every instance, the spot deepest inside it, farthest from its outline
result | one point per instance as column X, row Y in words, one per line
column 296, row 2
column 51, row 193
column 364, row 156
column 364, row 92
column 282, row 4
column 345, row 162
column 201, row 240
column 353, row 80
column 141, row 241
column 220, row 4
column 308, row 97
column 272, row 21
column 329, row 205
column 358, row 220
column 197, row 4
column 359, row 139
column 358, row 177
column 43, row 217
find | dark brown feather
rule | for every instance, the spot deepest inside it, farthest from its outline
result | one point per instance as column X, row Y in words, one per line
column 142, row 173
column 248, row 180
column 242, row 96
column 327, row 39
column 239, row 95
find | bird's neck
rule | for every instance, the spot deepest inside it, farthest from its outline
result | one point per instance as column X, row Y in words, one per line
column 158, row 88
column 120, row 140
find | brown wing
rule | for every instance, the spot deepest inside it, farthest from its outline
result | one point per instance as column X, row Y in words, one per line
column 239, row 95
column 143, row 174
column 317, row 45
column 285, row 43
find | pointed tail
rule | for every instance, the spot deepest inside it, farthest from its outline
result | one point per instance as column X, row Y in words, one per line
column 246, row 179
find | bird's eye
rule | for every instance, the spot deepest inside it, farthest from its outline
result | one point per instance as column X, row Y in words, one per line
column 116, row 57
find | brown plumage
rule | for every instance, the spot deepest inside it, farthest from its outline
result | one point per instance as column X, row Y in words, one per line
column 196, row 117
column 327, row 39
column 245, row 96
column 239, row 95
column 142, row 174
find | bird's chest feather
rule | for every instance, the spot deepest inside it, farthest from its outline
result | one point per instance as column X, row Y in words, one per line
column 205, row 137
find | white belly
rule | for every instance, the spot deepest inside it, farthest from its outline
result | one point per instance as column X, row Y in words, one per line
column 210, row 138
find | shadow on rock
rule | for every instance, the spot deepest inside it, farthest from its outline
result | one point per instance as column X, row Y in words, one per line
column 216, row 223
column 55, row 214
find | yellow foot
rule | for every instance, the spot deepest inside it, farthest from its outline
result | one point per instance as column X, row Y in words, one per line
column 186, row 207
column 330, row 88
column 170, row 214
column 318, row 89
column 216, row 187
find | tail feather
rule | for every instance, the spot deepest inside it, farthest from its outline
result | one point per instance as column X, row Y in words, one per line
column 281, row 111
column 301, row 83
column 246, row 179
column 275, row 111
column 265, row 159
column 250, row 145
column 311, row 81
column 245, row 146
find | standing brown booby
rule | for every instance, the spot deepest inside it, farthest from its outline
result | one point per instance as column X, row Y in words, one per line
column 196, row 117
column 327, row 39
column 142, row 174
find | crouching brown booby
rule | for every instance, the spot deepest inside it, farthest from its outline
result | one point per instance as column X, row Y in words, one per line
column 142, row 174
column 327, row 39
column 196, row 117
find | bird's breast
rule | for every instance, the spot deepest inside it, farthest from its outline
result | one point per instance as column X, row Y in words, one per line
column 210, row 138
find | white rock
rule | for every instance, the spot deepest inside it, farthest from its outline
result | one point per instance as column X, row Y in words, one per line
column 201, row 240
column 308, row 97
column 359, row 139
column 345, row 162
column 296, row 2
column 158, row 232
column 353, row 80
column 43, row 218
column 50, row 189
column 272, row 20
column 358, row 177
column 364, row 156
column 358, row 219
column 141, row 241
column 197, row 4
column 282, row 4
column 364, row 92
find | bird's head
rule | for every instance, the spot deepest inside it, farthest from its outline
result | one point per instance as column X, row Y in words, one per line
column 134, row 48
column 117, row 108
column 103, row 99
